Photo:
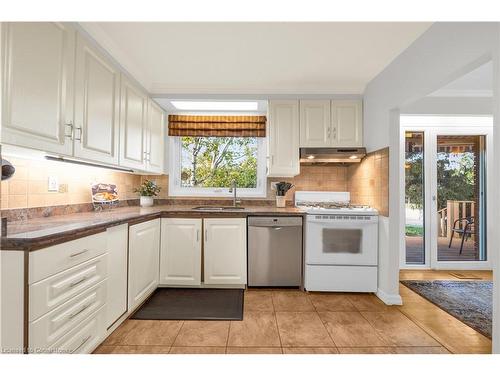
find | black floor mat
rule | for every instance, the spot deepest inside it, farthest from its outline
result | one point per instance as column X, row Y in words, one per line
column 192, row 304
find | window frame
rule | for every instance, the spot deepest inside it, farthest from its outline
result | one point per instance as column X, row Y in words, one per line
column 174, row 182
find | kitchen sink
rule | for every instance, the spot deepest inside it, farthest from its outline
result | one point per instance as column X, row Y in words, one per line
column 217, row 208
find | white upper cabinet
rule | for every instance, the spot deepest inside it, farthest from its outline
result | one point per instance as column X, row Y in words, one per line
column 335, row 123
column 283, row 138
column 225, row 251
column 347, row 123
column 155, row 138
column 180, row 260
column 143, row 261
column 133, row 125
column 315, row 123
column 37, row 98
column 97, row 103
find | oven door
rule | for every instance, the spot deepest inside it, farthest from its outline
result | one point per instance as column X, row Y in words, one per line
column 342, row 240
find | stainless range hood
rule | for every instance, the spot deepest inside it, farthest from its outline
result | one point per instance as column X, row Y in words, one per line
column 323, row 155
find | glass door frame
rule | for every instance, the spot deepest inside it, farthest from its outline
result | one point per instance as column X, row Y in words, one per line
column 432, row 126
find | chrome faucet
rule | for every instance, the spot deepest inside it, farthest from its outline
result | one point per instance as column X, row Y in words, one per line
column 232, row 189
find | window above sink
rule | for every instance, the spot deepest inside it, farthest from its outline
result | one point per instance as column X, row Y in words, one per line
column 207, row 166
column 214, row 143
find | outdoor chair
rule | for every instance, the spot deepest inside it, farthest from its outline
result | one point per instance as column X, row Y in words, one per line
column 466, row 231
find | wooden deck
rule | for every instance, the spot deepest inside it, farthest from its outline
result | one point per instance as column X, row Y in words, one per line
column 415, row 254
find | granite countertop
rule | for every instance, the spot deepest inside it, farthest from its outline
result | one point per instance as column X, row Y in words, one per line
column 34, row 234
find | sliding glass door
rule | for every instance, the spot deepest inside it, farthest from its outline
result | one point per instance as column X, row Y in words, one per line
column 445, row 180
column 460, row 198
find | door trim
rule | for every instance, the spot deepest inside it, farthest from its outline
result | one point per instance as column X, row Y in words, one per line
column 444, row 125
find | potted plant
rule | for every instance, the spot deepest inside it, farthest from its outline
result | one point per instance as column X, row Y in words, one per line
column 148, row 190
column 281, row 190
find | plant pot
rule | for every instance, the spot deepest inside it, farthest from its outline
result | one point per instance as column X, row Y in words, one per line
column 280, row 201
column 146, row 201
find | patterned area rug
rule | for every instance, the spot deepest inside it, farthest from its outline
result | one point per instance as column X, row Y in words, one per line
column 468, row 301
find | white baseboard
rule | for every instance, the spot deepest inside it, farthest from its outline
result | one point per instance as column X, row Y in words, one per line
column 389, row 299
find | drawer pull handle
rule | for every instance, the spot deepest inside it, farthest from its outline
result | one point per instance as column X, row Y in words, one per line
column 82, row 343
column 79, row 253
column 75, row 283
column 79, row 311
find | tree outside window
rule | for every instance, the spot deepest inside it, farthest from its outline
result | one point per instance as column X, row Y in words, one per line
column 215, row 162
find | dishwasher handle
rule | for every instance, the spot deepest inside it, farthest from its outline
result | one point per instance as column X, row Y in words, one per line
column 275, row 222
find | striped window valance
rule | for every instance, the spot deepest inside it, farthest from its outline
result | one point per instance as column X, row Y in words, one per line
column 217, row 126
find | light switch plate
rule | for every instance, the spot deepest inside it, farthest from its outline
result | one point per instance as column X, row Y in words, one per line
column 53, row 184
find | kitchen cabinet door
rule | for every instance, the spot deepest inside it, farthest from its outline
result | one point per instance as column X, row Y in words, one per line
column 117, row 245
column 37, row 95
column 315, row 123
column 143, row 266
column 283, row 138
column 155, row 138
column 133, row 126
column 97, row 104
column 347, row 123
column 225, row 251
column 180, row 260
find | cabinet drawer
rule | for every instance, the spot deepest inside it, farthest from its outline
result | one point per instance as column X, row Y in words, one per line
column 51, row 292
column 46, row 262
column 45, row 331
column 84, row 338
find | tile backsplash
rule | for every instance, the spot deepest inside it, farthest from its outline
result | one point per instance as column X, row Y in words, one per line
column 28, row 188
column 368, row 181
column 310, row 178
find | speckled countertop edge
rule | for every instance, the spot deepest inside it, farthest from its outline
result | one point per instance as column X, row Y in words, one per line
column 40, row 233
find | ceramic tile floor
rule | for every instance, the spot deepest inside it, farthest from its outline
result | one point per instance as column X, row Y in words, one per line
column 294, row 322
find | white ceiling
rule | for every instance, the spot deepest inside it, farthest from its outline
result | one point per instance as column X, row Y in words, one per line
column 254, row 58
column 477, row 83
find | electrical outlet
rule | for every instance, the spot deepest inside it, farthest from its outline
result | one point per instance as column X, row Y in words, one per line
column 273, row 185
column 63, row 188
column 53, row 184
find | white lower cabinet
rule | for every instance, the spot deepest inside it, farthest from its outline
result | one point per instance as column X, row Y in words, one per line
column 225, row 255
column 49, row 293
column 80, row 289
column 180, row 261
column 84, row 338
column 221, row 248
column 44, row 331
column 117, row 245
column 68, row 292
column 143, row 262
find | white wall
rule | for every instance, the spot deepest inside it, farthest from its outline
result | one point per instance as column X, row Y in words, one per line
column 442, row 54
column 450, row 106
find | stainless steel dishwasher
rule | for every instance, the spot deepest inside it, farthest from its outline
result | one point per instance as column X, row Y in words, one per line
column 275, row 251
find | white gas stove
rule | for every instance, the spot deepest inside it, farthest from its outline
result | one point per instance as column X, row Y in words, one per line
column 341, row 243
column 325, row 202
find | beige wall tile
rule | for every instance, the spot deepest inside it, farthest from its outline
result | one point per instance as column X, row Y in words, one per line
column 17, row 187
column 28, row 187
column 367, row 182
column 18, row 201
column 36, row 200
